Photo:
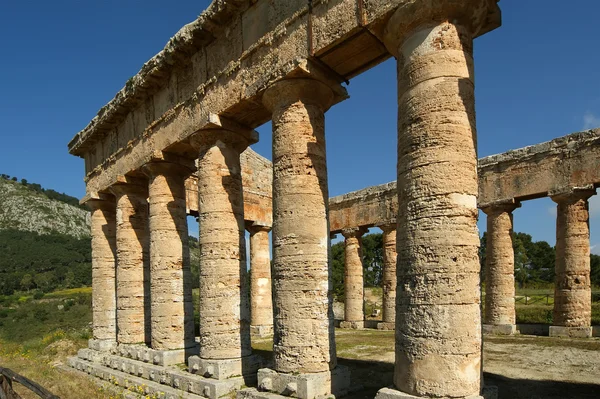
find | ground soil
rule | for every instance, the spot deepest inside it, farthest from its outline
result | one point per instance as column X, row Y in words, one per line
column 522, row 367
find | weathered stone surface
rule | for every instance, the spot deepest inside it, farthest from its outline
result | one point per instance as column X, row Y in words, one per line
column 224, row 294
column 522, row 174
column 534, row 171
column 306, row 386
column 133, row 264
column 354, row 313
column 389, row 275
column 104, row 248
column 222, row 66
column 438, row 321
column 500, row 265
column 572, row 286
column 261, row 299
column 170, row 275
column 303, row 315
column 257, row 180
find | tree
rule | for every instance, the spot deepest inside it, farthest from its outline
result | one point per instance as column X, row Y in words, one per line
column 372, row 251
column 338, row 256
column 27, row 282
column 24, row 182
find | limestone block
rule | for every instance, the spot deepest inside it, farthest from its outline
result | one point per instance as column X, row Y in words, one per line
column 306, row 385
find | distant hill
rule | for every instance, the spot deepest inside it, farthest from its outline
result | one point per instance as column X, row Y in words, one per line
column 28, row 207
column 45, row 240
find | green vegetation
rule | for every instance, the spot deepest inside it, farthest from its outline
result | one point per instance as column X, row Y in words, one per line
column 44, row 262
column 534, row 265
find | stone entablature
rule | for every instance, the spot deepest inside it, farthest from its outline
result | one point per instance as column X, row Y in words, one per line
column 221, row 64
column 535, row 171
column 517, row 175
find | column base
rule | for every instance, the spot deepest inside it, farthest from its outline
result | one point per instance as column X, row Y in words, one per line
column 304, row 386
column 571, row 332
column 102, row 345
column 386, row 326
column 488, row 392
column 222, row 369
column 159, row 357
column 353, row 325
column 261, row 331
column 500, row 329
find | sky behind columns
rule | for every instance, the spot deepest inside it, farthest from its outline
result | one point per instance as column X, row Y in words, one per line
column 537, row 78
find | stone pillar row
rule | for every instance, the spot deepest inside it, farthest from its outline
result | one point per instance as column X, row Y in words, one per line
column 389, row 277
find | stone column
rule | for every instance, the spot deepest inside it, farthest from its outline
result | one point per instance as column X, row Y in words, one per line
column 303, row 313
column 103, row 229
column 171, row 305
column 572, row 287
column 261, row 299
column 224, row 290
column 389, row 277
column 354, row 313
column 438, row 319
column 133, row 264
column 500, row 270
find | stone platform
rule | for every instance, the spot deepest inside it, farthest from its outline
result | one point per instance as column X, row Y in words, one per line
column 147, row 378
column 571, row 332
column 489, row 392
column 500, row 329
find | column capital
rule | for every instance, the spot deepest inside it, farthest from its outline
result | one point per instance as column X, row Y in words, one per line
column 256, row 228
column 387, row 226
column 156, row 168
column 573, row 194
column 104, row 202
column 126, row 186
column 290, row 90
column 222, row 131
column 354, row 232
column 500, row 207
column 478, row 16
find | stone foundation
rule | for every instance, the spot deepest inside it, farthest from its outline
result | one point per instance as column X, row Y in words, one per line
column 386, row 326
column 152, row 379
column 503, row 329
column 352, row 325
column 225, row 368
column 154, row 356
column 303, row 386
column 101, row 345
column 261, row 331
column 571, row 332
column 389, row 393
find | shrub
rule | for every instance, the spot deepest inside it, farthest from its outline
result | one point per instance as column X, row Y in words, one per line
column 38, row 295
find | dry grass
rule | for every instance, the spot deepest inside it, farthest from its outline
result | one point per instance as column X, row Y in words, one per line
column 42, row 367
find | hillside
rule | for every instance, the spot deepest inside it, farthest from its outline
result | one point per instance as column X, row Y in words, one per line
column 25, row 209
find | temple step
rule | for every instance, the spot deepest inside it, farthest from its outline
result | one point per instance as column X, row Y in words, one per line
column 171, row 378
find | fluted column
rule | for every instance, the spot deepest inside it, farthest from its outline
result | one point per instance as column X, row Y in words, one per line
column 133, row 264
column 389, row 277
column 438, row 320
column 572, row 286
column 171, row 305
column 500, row 270
column 354, row 314
column 261, row 299
column 103, row 230
column 303, row 313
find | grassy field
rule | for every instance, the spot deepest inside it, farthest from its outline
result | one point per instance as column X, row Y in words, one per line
column 39, row 332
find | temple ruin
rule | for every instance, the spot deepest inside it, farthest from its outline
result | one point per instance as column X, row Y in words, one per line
column 174, row 142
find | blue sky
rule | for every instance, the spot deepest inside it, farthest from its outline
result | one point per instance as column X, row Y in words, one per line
column 536, row 79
